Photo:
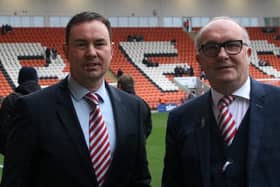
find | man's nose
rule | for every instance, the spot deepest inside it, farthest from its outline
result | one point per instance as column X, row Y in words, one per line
column 91, row 50
column 222, row 52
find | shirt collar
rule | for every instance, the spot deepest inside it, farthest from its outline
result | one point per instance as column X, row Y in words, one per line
column 78, row 91
column 242, row 92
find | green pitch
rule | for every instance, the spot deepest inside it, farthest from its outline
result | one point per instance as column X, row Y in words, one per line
column 156, row 147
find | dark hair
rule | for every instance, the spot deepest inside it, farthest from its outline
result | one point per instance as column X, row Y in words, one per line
column 86, row 17
column 27, row 74
column 126, row 83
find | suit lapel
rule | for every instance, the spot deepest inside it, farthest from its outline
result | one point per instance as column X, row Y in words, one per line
column 203, row 136
column 118, row 112
column 68, row 116
column 256, row 124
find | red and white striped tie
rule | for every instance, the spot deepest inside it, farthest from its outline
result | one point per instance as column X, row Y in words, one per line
column 99, row 144
column 225, row 120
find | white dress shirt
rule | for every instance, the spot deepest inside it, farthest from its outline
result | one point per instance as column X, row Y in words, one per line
column 239, row 106
column 83, row 108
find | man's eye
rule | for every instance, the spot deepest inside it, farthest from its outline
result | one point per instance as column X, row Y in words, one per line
column 100, row 44
column 211, row 47
column 81, row 44
column 233, row 45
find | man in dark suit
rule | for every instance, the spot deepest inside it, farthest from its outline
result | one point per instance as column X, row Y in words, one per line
column 49, row 147
column 202, row 148
column 27, row 83
column 126, row 83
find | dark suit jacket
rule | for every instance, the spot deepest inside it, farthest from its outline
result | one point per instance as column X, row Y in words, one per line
column 187, row 160
column 148, row 124
column 47, row 147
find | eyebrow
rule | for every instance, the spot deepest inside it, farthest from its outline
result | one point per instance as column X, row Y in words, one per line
column 85, row 40
column 212, row 41
column 101, row 40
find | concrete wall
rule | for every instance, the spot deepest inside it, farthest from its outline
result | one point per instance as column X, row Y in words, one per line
column 161, row 8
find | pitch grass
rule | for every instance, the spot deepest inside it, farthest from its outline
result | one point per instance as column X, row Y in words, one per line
column 155, row 148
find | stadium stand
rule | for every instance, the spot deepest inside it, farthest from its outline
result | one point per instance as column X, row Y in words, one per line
column 165, row 47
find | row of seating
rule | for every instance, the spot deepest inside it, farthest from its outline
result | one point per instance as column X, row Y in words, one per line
column 261, row 46
column 10, row 53
column 145, row 87
column 136, row 51
column 151, row 82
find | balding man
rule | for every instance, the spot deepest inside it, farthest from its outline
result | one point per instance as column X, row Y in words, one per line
column 227, row 137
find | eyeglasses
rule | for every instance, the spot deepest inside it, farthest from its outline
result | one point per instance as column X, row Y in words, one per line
column 232, row 47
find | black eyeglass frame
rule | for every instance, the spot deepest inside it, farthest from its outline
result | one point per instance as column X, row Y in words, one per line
column 220, row 45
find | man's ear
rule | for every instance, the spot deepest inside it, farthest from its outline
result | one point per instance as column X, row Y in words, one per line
column 65, row 49
column 197, row 57
column 249, row 52
column 112, row 48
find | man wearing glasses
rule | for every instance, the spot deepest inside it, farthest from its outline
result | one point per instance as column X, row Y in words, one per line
column 228, row 137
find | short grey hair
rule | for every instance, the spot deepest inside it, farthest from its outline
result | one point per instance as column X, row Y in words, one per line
column 197, row 39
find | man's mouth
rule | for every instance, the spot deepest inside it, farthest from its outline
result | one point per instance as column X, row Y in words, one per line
column 224, row 67
column 90, row 66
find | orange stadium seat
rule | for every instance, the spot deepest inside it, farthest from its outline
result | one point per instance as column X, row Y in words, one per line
column 150, row 83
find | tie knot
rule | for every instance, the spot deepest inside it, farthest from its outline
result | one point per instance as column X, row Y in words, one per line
column 92, row 97
column 226, row 100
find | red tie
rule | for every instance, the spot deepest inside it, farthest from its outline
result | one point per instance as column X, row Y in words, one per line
column 225, row 120
column 99, row 145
